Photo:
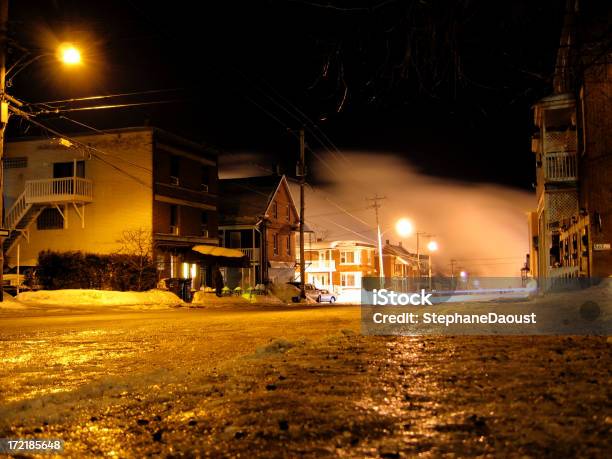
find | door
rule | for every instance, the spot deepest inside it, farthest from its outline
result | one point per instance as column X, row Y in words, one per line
column 64, row 170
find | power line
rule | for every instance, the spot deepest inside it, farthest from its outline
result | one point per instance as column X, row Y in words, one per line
column 106, row 96
column 105, row 107
column 351, row 231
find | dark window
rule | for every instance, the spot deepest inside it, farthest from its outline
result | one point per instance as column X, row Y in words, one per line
column 288, row 211
column 173, row 215
column 288, row 245
column 275, row 209
column 205, row 177
column 204, row 223
column 15, row 163
column 276, row 244
column 62, row 170
column 174, row 168
column 50, row 219
column 235, row 239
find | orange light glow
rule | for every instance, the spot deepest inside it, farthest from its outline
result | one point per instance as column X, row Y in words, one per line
column 404, row 227
column 69, row 54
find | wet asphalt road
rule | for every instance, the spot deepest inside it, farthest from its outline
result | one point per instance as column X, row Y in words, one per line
column 60, row 352
column 268, row 381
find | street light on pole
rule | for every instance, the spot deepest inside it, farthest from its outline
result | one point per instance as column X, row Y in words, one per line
column 66, row 53
column 432, row 246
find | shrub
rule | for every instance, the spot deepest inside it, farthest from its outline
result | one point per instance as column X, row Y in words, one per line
column 60, row 270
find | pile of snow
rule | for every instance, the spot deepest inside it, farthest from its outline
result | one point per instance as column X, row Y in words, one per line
column 84, row 297
column 9, row 302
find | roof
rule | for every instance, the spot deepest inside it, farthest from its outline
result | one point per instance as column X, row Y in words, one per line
column 320, row 245
column 161, row 133
column 400, row 251
column 245, row 200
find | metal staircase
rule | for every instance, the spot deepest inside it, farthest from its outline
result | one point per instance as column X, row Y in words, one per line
column 40, row 194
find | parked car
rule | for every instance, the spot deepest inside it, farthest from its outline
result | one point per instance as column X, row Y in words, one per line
column 326, row 297
column 318, row 295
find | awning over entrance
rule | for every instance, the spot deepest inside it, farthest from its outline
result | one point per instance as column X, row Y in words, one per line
column 222, row 255
column 218, row 251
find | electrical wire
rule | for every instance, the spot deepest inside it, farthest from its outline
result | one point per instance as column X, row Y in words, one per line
column 106, row 96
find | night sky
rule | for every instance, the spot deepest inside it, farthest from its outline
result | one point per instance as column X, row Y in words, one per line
column 447, row 85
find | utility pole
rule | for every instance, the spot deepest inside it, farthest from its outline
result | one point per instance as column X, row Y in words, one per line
column 302, row 176
column 4, row 115
column 376, row 205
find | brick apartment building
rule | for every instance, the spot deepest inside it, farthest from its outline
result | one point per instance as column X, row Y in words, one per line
column 571, row 230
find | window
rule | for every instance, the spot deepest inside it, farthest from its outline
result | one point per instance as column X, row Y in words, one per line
column 349, row 257
column 174, row 169
column 349, row 279
column 50, row 219
column 276, row 244
column 288, row 213
column 15, row 163
column 205, row 178
column 174, row 219
column 275, row 209
column 204, row 223
column 288, row 245
column 234, row 240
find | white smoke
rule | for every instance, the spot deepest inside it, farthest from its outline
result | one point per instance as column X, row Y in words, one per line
column 483, row 226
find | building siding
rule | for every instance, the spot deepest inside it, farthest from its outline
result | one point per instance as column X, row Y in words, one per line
column 121, row 202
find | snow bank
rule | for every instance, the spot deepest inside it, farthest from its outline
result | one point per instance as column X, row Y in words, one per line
column 83, row 297
column 10, row 303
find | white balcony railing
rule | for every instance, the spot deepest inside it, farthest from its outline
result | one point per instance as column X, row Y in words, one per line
column 253, row 254
column 48, row 191
column 313, row 266
column 65, row 189
column 560, row 166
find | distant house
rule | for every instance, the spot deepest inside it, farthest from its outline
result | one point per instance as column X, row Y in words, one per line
column 258, row 216
column 339, row 266
column 84, row 192
column 399, row 262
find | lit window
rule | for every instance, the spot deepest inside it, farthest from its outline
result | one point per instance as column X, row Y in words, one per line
column 347, row 279
column 347, row 257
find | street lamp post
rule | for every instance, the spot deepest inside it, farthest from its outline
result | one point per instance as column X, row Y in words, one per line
column 68, row 54
column 431, row 247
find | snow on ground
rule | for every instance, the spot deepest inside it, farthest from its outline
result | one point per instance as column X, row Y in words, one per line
column 84, row 297
column 10, row 303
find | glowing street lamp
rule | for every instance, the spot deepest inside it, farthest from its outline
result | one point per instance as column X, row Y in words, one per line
column 404, row 227
column 69, row 54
